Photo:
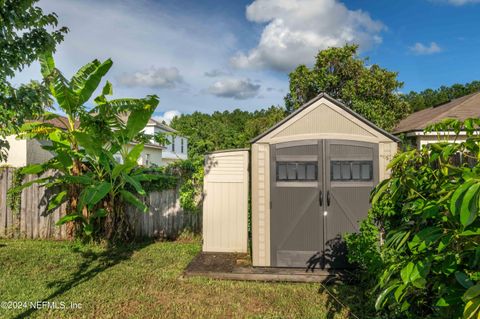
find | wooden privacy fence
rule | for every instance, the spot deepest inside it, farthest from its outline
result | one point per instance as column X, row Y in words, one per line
column 165, row 219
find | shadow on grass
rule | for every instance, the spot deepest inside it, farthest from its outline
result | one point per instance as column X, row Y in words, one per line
column 84, row 272
column 342, row 287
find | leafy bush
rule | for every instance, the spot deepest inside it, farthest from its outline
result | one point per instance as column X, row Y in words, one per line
column 364, row 248
column 429, row 211
column 190, row 173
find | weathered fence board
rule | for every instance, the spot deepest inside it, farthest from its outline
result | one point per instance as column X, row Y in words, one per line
column 165, row 219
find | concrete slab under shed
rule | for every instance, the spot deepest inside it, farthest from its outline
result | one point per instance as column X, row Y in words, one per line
column 231, row 266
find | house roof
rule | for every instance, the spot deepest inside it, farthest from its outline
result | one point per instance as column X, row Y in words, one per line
column 462, row 108
column 62, row 122
column 337, row 103
column 161, row 125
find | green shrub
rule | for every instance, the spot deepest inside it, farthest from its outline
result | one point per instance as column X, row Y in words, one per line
column 429, row 211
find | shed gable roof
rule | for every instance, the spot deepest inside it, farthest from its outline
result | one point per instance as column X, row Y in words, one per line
column 318, row 115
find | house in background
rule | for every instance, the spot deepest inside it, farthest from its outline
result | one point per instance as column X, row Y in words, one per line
column 25, row 152
column 413, row 126
column 178, row 147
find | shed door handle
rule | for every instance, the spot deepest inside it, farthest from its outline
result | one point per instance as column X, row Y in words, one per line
column 320, row 198
column 328, row 198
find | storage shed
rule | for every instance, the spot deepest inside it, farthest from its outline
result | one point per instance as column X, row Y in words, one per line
column 312, row 174
column 311, row 177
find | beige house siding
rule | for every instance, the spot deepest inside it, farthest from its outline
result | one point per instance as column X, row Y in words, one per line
column 225, row 202
column 35, row 153
column 321, row 120
column 17, row 154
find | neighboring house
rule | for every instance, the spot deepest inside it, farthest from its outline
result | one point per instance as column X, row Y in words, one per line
column 177, row 149
column 25, row 152
column 413, row 126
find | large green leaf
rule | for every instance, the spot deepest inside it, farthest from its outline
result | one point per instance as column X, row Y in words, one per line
column 383, row 296
column 57, row 200
column 134, row 154
column 137, row 120
column 469, row 206
column 457, row 196
column 119, row 168
column 135, row 184
column 463, row 279
column 69, row 218
column 424, row 238
column 32, row 169
column 93, row 80
column 472, row 292
column 91, row 146
column 379, row 191
column 78, row 79
column 66, row 98
column 406, row 272
column 28, row 184
column 93, row 194
column 132, row 199
column 47, row 64
column 472, row 309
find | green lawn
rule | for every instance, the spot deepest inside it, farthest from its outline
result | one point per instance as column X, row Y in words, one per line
column 143, row 280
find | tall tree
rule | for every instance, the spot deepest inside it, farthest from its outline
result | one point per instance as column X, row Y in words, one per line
column 25, row 33
column 369, row 90
column 223, row 130
column 429, row 97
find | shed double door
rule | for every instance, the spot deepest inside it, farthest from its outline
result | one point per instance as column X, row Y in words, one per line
column 319, row 191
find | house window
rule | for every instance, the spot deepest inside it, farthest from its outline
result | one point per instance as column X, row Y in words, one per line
column 351, row 170
column 173, row 144
column 147, row 160
column 181, row 146
column 296, row 171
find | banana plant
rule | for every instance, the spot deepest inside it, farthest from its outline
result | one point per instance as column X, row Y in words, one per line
column 95, row 186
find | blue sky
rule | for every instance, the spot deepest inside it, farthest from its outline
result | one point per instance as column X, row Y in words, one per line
column 219, row 55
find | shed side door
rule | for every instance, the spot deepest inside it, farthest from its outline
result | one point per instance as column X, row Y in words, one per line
column 351, row 171
column 296, row 222
column 225, row 202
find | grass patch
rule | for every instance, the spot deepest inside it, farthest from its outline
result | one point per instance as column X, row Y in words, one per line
column 142, row 280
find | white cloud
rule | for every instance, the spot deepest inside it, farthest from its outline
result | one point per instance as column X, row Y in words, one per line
column 216, row 73
column 152, row 78
column 297, row 29
column 238, row 89
column 138, row 34
column 458, row 2
column 167, row 116
column 422, row 49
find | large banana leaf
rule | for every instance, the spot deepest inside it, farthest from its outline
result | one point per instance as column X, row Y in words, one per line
column 93, row 80
column 47, row 64
column 93, row 194
column 78, row 80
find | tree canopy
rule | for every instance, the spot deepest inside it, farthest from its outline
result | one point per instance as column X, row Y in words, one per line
column 26, row 32
column 369, row 90
column 224, row 130
column 430, row 97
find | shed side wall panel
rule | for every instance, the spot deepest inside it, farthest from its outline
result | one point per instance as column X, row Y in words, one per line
column 225, row 204
column 261, row 204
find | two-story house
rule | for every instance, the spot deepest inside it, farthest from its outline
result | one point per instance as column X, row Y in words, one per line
column 176, row 149
column 25, row 152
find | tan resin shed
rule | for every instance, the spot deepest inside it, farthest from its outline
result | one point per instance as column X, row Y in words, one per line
column 311, row 175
